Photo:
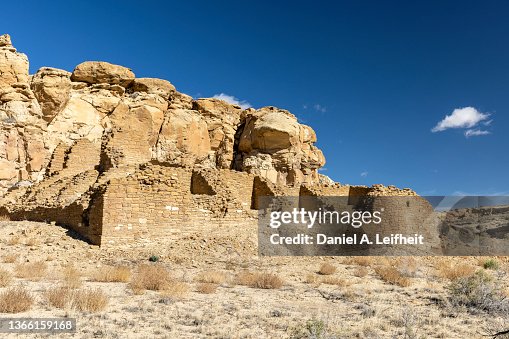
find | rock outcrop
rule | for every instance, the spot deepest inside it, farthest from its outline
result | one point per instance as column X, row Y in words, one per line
column 113, row 156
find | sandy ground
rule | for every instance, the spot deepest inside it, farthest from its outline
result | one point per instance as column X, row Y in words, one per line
column 356, row 303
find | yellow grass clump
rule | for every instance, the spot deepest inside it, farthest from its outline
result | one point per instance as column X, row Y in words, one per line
column 176, row 289
column 206, row 288
column 335, row 281
column 89, row 300
column 451, row 270
column 392, row 276
column 10, row 258
column 84, row 300
column 59, row 296
column 327, row 269
column 211, row 277
column 5, row 278
column 361, row 272
column 15, row 300
column 150, row 277
column 259, row 280
column 31, row 271
column 362, row 261
column 71, row 277
column 113, row 274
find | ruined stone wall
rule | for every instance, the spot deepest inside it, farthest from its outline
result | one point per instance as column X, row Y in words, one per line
column 156, row 201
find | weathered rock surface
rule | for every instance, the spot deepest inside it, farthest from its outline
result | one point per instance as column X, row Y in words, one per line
column 52, row 88
column 115, row 156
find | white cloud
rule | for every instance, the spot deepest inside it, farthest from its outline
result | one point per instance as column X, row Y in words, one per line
column 232, row 100
column 320, row 108
column 364, row 174
column 475, row 132
column 466, row 117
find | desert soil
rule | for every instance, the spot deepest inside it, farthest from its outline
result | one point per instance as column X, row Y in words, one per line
column 352, row 302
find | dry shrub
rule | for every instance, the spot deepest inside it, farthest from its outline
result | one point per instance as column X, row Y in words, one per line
column 89, row 300
column 4, row 217
column 479, row 292
column 71, row 277
column 5, row 278
column 32, row 271
column 335, row 281
column 206, row 288
column 361, row 272
column 311, row 278
column 150, row 277
column 211, row 277
column 392, row 276
column 176, row 289
column 245, row 278
column 32, row 242
column 113, row 274
column 85, row 300
column 362, row 261
column 327, row 269
column 13, row 241
column 259, row 280
column 59, row 297
column 452, row 271
column 407, row 266
column 15, row 300
column 10, row 258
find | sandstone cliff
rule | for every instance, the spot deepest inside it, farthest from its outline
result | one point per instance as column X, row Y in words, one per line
column 88, row 148
column 107, row 105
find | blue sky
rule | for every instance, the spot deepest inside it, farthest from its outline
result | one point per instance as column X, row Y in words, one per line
column 373, row 78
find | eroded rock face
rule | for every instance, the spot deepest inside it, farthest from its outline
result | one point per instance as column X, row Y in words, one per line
column 275, row 146
column 52, row 88
column 23, row 152
column 139, row 120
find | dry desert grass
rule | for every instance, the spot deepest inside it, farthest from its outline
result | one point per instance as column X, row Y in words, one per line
column 391, row 275
column 71, row 277
column 85, row 300
column 206, row 288
column 150, row 277
column 112, row 274
column 211, row 277
column 15, row 300
column 192, row 295
column 263, row 280
column 10, row 258
column 89, row 300
column 451, row 270
column 5, row 278
column 327, row 268
column 31, row 270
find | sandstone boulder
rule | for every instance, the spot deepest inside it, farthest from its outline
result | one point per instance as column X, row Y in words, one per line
column 96, row 72
column 160, row 87
column 269, row 130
